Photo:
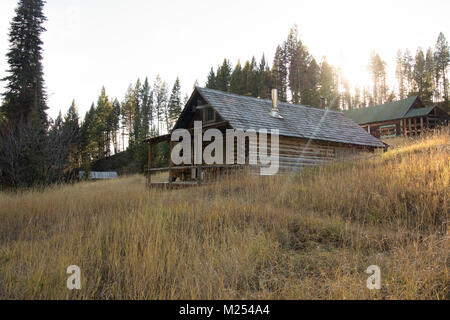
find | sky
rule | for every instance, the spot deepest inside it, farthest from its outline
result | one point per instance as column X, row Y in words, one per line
column 93, row 43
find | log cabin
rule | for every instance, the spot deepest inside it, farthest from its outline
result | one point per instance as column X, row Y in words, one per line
column 407, row 117
column 307, row 136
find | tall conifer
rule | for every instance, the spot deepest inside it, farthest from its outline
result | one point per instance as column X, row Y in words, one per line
column 25, row 97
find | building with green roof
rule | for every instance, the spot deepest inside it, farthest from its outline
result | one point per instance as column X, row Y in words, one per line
column 404, row 117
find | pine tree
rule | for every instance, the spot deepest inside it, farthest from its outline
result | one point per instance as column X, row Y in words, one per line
column 296, row 64
column 88, row 140
column 408, row 66
column 143, row 105
column 428, row 86
column 71, row 127
column 299, row 61
column 356, row 102
column 25, row 97
column 237, row 80
column 442, row 60
column 377, row 67
column 58, row 123
column 160, row 99
column 347, row 96
column 310, row 92
column 24, row 140
column 419, row 73
column 252, row 79
column 174, row 103
column 127, row 111
column 400, row 75
column 328, row 86
column 114, row 124
column 103, row 131
column 246, row 79
column 146, row 109
column 211, row 81
column 137, row 122
column 264, row 81
column 59, row 154
column 223, row 76
column 72, row 118
column 368, row 100
column 280, row 73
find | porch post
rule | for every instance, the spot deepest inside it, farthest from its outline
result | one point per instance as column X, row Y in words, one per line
column 170, row 162
column 199, row 174
column 149, row 164
column 421, row 125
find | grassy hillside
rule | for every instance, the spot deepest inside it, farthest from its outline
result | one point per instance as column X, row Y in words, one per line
column 310, row 235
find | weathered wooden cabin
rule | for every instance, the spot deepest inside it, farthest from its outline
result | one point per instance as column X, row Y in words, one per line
column 307, row 136
column 407, row 117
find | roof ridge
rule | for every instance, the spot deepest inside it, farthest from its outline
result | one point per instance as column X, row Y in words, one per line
column 387, row 103
column 268, row 100
column 384, row 104
column 233, row 94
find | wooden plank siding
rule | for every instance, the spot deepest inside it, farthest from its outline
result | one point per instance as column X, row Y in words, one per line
column 296, row 153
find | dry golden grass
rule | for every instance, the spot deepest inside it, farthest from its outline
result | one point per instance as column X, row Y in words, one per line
column 306, row 236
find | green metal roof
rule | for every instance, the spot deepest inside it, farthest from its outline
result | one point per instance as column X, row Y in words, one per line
column 383, row 112
column 419, row 112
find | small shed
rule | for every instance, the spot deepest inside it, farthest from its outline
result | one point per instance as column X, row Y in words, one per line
column 98, row 175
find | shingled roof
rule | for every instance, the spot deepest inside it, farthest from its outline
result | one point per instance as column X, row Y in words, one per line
column 298, row 121
column 384, row 112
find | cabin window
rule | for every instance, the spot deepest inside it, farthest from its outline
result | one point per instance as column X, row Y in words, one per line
column 209, row 115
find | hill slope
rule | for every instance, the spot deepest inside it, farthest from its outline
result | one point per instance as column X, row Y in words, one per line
column 311, row 235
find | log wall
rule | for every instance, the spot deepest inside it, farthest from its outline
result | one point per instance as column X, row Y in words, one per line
column 295, row 153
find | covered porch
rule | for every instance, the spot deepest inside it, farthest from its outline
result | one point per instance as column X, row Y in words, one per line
column 185, row 175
